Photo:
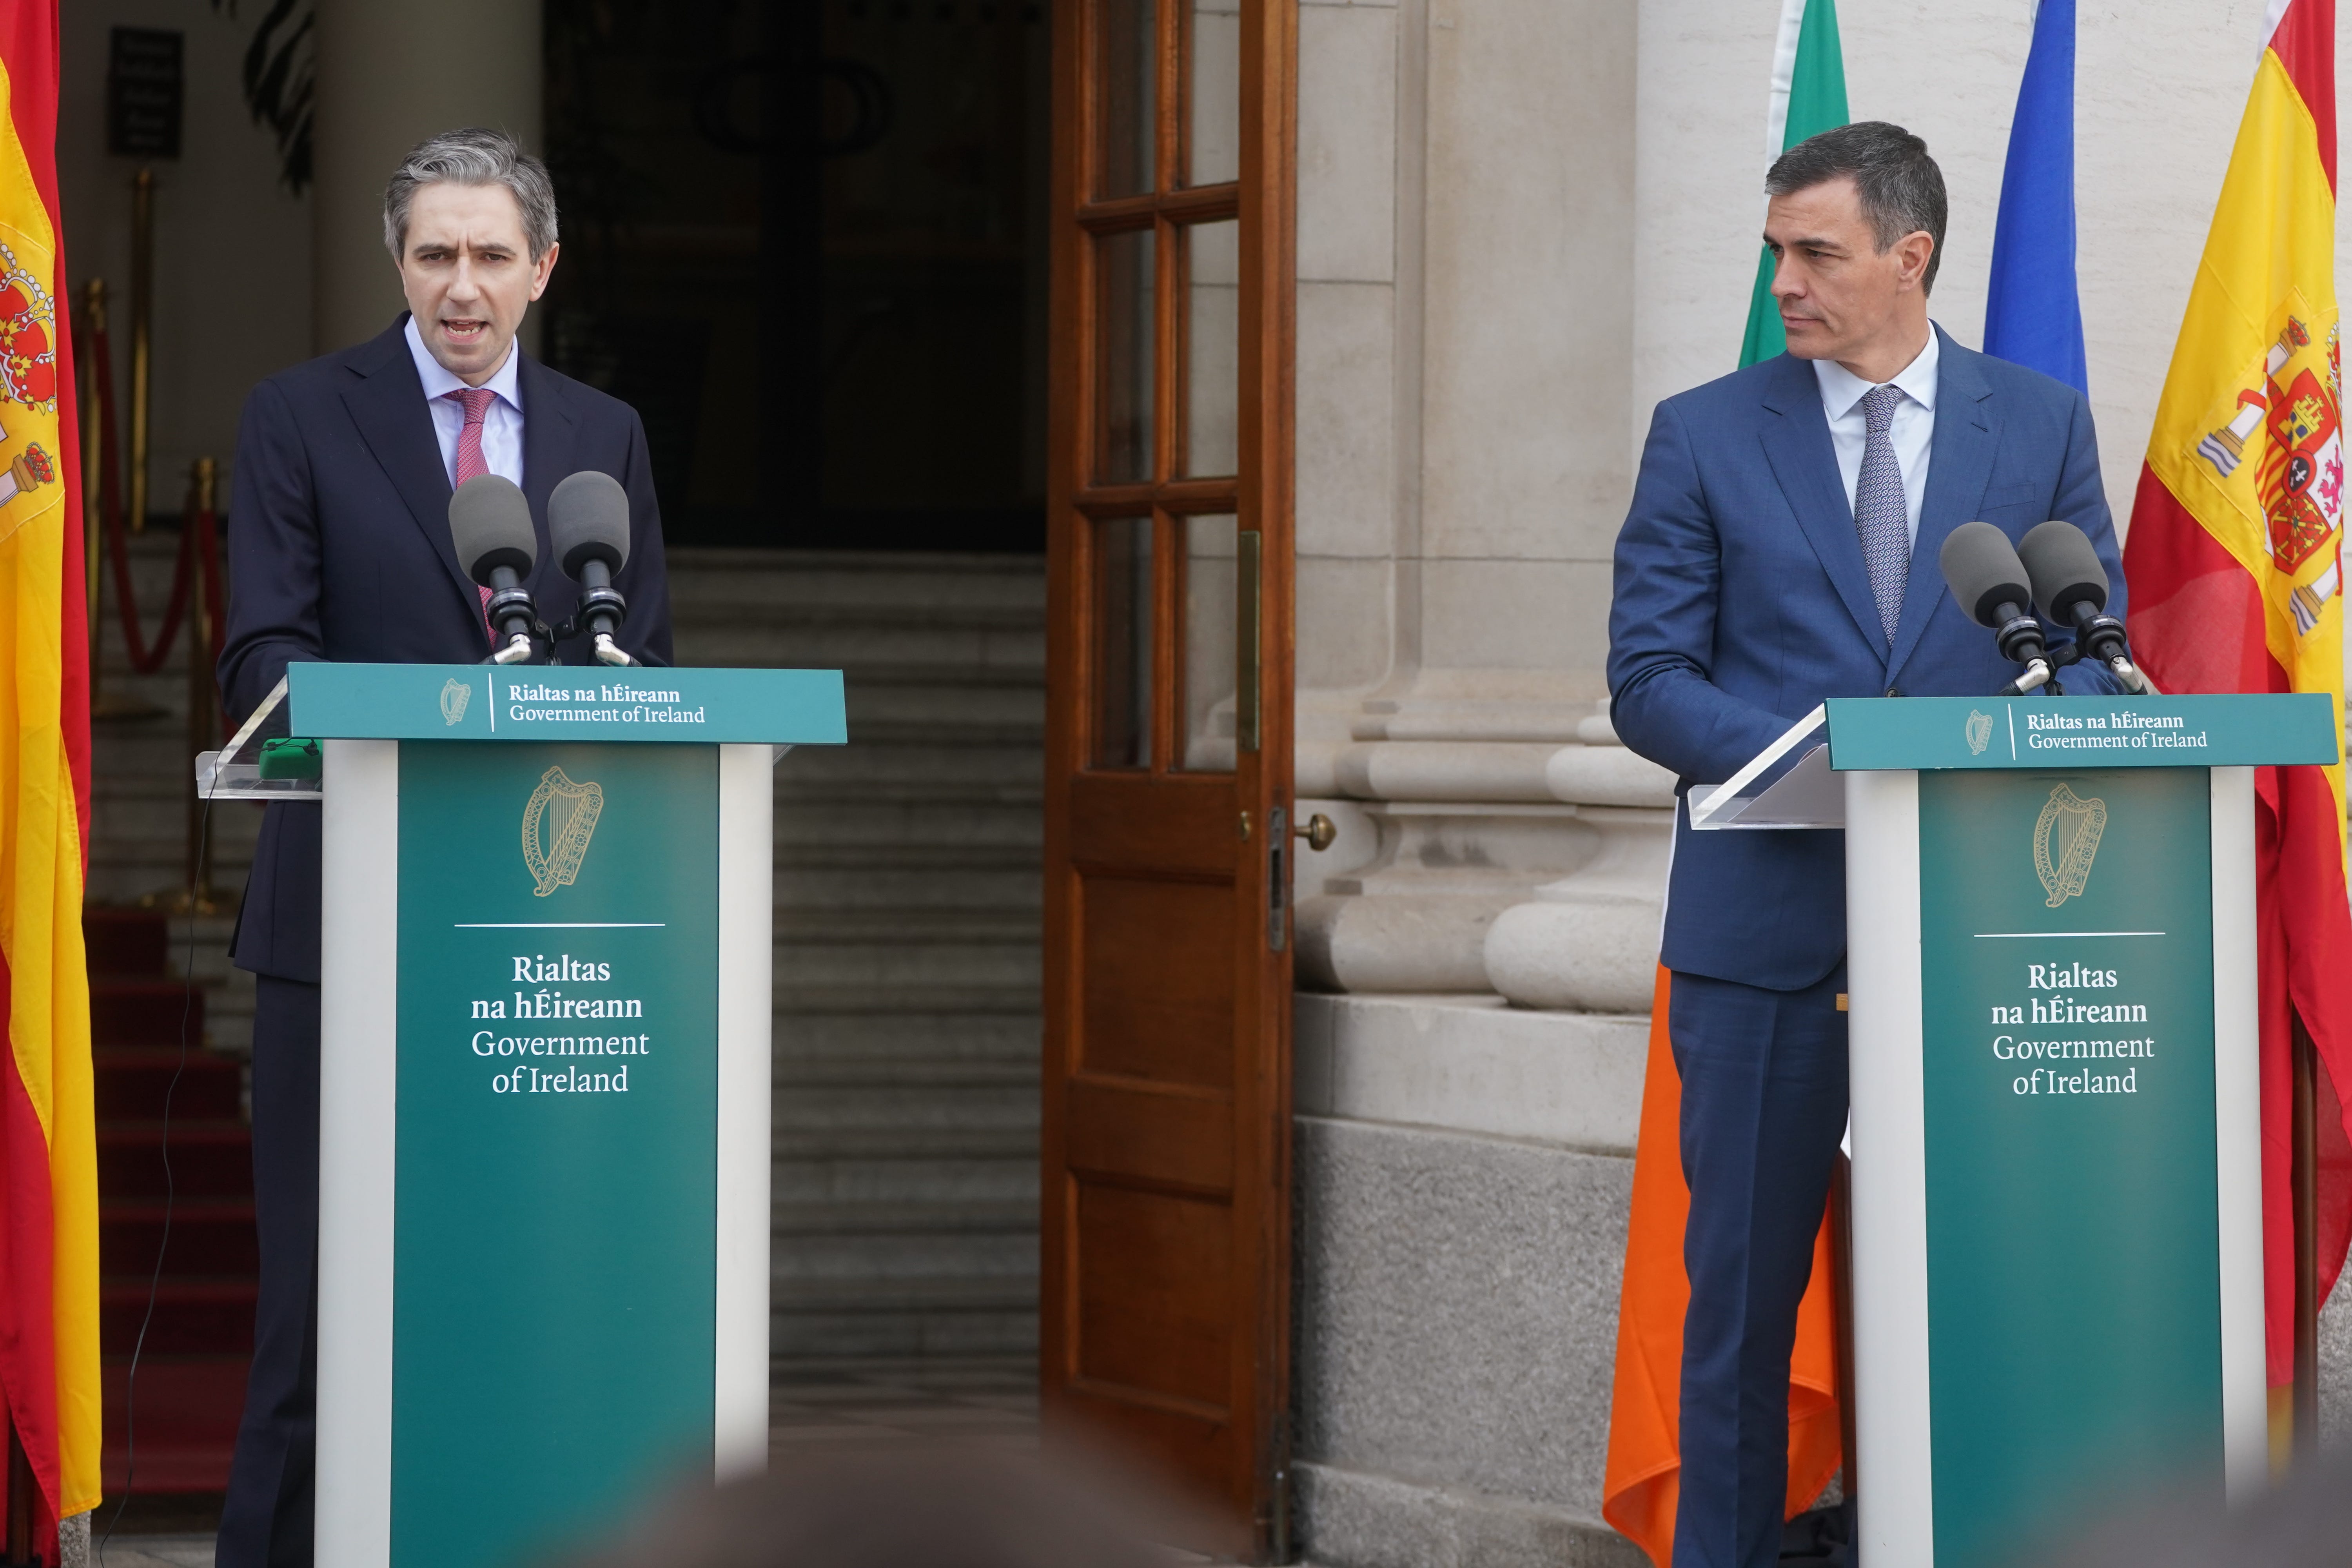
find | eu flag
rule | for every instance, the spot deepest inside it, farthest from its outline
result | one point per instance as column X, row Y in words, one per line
column 2033, row 316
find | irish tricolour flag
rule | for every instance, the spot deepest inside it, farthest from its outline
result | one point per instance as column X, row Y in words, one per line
column 1643, row 1480
column 1808, row 97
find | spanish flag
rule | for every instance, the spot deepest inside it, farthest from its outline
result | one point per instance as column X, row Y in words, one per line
column 48, row 1160
column 2235, row 564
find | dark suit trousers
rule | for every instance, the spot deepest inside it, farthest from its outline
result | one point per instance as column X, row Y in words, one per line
column 1764, row 1104
column 265, row 1521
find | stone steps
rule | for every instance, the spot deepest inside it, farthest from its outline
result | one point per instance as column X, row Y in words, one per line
column 855, row 1185
column 909, row 891
column 881, row 1041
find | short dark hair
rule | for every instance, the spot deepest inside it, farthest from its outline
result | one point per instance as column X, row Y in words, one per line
column 1902, row 190
column 474, row 156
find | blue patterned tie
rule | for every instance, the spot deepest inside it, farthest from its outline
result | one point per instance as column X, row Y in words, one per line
column 1881, row 515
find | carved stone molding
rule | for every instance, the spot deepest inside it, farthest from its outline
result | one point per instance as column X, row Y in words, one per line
column 1457, row 818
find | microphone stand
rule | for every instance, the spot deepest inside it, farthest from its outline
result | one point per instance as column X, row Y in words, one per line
column 509, row 610
column 600, row 611
column 2020, row 639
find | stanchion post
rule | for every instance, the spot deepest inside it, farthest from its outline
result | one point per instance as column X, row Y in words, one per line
column 94, row 459
column 202, row 729
column 97, row 458
column 143, row 314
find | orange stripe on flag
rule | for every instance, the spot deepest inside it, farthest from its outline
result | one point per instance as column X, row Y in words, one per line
column 1643, row 1480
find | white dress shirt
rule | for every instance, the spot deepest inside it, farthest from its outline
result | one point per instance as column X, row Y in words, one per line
column 502, row 425
column 1911, row 430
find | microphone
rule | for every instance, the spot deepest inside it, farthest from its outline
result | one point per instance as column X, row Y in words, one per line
column 489, row 521
column 588, row 525
column 2071, row 586
column 1990, row 583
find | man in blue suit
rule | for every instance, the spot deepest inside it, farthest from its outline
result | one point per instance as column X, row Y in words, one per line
column 340, row 549
column 1781, row 548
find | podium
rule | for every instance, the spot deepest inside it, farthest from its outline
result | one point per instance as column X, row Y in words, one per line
column 543, row 1090
column 2056, row 1123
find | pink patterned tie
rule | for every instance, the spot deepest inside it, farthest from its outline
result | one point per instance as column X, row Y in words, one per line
column 471, row 465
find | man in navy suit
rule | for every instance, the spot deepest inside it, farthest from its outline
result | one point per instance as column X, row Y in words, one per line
column 1781, row 548
column 340, row 549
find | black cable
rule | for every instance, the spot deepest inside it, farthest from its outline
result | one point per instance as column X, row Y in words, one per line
column 171, row 1194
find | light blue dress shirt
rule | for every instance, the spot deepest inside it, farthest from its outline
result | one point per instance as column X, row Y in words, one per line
column 1911, row 430
column 502, row 425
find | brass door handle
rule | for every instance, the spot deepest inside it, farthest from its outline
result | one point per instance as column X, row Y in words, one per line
column 1319, row 830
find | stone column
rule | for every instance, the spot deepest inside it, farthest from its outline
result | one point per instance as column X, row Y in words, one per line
column 388, row 77
column 1466, row 284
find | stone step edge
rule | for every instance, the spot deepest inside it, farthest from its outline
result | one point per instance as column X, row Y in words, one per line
column 1355, row 1519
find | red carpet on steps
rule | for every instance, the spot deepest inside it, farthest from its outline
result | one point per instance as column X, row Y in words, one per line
column 191, row 1385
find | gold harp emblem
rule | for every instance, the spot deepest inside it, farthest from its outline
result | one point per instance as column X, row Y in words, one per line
column 2065, row 839
column 1979, row 733
column 569, row 812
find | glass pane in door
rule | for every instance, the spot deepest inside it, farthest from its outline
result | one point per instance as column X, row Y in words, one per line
column 1126, row 266
column 1122, row 643
column 1127, row 102
column 1211, row 255
column 1207, row 655
column 1213, row 136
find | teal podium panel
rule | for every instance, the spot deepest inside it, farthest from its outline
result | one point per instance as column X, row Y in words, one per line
column 2074, row 1333
column 558, row 1111
column 524, row 702
column 2058, row 1281
column 544, row 1106
column 2079, row 731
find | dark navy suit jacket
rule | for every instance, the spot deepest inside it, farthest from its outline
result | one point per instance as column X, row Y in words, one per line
column 339, row 549
column 1741, row 602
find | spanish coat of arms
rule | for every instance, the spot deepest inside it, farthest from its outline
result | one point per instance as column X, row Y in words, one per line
column 2299, row 475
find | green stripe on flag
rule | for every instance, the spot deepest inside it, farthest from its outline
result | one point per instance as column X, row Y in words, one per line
column 1816, row 103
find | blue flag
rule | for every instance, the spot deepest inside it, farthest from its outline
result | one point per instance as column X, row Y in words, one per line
column 2033, row 315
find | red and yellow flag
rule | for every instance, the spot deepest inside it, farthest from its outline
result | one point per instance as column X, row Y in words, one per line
column 1642, row 1482
column 2235, row 564
column 48, row 1159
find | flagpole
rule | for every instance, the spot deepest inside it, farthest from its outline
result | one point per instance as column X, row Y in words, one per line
column 20, row 1486
column 1841, row 1275
column 2305, row 1183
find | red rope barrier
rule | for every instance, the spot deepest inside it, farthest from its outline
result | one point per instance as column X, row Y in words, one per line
column 199, row 542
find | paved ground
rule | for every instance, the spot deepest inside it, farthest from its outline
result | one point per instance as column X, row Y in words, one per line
column 827, row 1403
column 154, row 1551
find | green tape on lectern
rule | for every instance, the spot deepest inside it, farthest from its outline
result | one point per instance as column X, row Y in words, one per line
column 2073, row 1298
column 554, row 1335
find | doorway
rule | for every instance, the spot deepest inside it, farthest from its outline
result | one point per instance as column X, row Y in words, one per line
column 1165, row 1242
column 804, row 238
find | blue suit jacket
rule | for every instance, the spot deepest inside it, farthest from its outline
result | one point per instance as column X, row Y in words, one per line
column 339, row 549
column 1741, row 602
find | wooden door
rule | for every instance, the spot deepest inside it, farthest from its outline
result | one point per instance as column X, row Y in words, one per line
column 1165, row 1248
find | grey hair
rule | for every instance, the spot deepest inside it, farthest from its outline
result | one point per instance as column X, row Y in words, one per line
column 474, row 156
column 1901, row 189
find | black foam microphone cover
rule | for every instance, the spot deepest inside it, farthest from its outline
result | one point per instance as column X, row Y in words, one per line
column 489, row 522
column 588, row 520
column 2066, row 570
column 1983, row 572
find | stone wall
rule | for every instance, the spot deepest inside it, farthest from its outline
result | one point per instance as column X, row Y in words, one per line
column 1463, row 1170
